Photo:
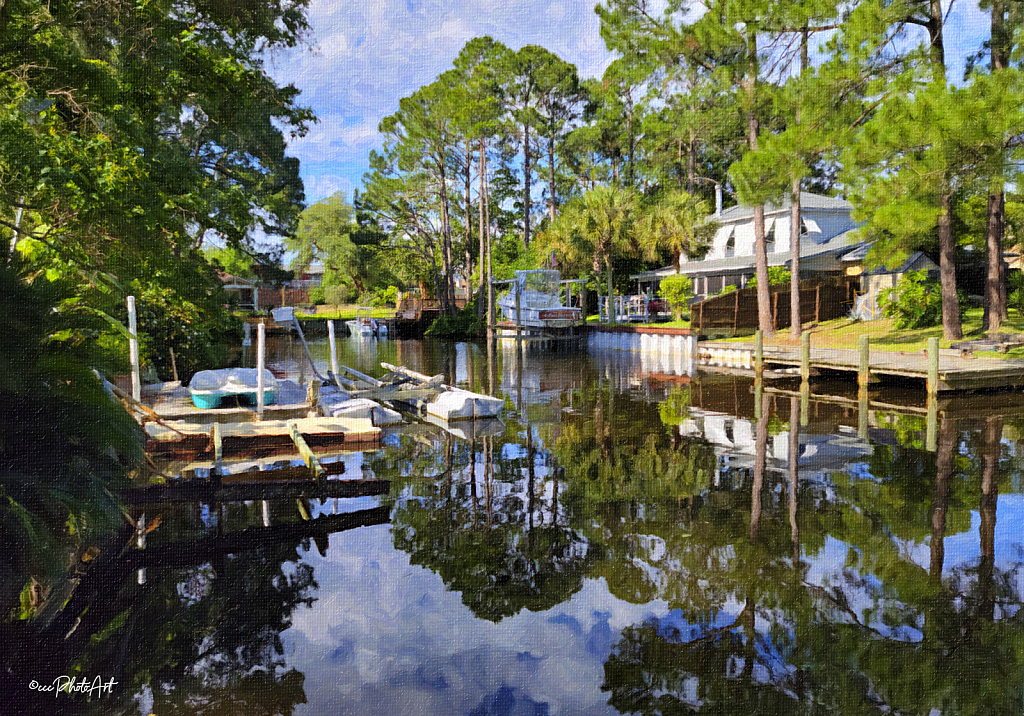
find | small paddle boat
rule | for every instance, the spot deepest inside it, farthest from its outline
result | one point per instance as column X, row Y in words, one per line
column 210, row 387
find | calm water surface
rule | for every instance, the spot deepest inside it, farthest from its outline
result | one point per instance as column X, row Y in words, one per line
column 624, row 541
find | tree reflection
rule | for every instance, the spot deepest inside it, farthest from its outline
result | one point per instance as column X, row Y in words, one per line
column 489, row 528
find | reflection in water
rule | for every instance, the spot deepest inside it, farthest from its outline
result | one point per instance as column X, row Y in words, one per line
column 628, row 542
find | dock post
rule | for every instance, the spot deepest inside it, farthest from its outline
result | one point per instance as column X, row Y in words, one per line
column 758, row 355
column 863, row 370
column 261, row 361
column 133, row 351
column 862, row 413
column 805, row 356
column 932, row 430
column 933, row 366
column 334, row 350
column 519, row 315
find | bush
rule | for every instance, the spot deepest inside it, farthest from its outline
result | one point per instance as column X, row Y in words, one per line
column 382, row 297
column 677, row 290
column 463, row 324
column 728, row 289
column 317, row 296
column 915, row 302
column 339, row 294
column 777, row 275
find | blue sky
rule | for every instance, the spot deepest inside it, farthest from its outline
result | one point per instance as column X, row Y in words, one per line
column 368, row 54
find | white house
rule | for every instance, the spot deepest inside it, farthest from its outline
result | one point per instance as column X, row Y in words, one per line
column 828, row 232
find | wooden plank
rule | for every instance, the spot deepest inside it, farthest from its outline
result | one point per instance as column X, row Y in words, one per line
column 199, row 490
column 305, row 451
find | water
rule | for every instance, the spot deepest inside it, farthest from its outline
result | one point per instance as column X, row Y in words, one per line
column 625, row 542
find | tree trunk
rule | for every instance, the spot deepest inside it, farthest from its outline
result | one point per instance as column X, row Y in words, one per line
column 551, row 177
column 951, row 328
column 526, row 185
column 612, row 315
column 995, row 278
column 469, row 215
column 764, row 309
column 483, row 249
column 794, row 245
column 446, row 246
column 691, row 164
column 995, row 289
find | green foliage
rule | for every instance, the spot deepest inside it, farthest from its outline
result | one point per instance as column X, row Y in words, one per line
column 777, row 276
column 200, row 335
column 382, row 297
column 915, row 301
column 64, row 443
column 340, row 294
column 461, row 325
column 728, row 288
column 317, row 296
column 677, row 290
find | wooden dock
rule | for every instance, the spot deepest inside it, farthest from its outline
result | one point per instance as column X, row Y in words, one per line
column 172, row 401
column 955, row 372
column 258, row 438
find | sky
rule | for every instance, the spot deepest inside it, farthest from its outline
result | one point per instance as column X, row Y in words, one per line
column 367, row 55
column 364, row 56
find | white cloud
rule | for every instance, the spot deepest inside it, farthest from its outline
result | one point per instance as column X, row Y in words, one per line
column 368, row 55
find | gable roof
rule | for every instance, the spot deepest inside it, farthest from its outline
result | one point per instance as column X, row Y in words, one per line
column 808, row 201
column 839, row 244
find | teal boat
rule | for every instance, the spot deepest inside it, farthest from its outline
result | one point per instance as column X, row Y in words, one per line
column 210, row 387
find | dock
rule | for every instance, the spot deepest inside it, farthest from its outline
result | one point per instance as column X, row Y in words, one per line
column 955, row 371
column 259, row 438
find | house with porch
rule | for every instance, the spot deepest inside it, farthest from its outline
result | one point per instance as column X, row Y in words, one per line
column 827, row 233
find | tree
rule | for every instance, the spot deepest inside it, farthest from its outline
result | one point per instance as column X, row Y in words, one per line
column 677, row 290
column 596, row 226
column 679, row 223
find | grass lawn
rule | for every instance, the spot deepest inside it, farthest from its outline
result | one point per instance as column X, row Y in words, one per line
column 343, row 313
column 845, row 333
column 685, row 323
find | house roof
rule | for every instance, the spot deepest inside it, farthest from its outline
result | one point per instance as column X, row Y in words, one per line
column 808, row 201
column 840, row 243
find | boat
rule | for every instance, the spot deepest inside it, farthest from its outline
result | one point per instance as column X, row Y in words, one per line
column 365, row 325
column 539, row 303
column 209, row 387
column 426, row 395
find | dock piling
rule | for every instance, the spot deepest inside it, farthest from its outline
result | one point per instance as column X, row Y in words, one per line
column 305, row 451
column 933, row 366
column 261, row 361
column 334, row 350
column 805, row 356
column 133, row 351
column 758, row 355
column 863, row 369
column 932, row 430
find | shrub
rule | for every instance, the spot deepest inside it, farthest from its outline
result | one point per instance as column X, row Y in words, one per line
column 677, row 290
column 776, row 275
column 915, row 301
column 339, row 294
column 384, row 297
column 463, row 324
column 317, row 296
column 728, row 289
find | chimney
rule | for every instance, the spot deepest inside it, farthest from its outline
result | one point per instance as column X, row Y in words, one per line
column 718, row 199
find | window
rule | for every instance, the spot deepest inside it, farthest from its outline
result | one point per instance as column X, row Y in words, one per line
column 769, row 239
column 730, row 246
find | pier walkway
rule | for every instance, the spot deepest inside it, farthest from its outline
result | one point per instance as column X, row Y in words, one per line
column 955, row 371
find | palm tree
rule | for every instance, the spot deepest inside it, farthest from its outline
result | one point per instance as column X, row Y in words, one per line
column 594, row 227
column 677, row 223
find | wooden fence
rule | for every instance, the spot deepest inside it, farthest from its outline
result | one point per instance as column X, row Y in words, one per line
column 734, row 312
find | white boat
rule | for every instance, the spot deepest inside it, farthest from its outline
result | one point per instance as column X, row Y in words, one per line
column 539, row 302
column 209, row 387
column 365, row 325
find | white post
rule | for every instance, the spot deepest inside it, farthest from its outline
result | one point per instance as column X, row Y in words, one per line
column 261, row 359
column 133, row 351
column 334, row 349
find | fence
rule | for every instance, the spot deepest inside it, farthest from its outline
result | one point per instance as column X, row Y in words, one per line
column 733, row 312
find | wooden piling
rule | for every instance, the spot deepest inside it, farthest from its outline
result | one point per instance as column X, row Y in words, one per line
column 305, row 451
column 862, row 412
column 133, row 351
column 519, row 316
column 932, row 426
column 805, row 356
column 758, row 355
column 933, row 366
column 261, row 361
column 218, row 444
column 863, row 369
column 334, row 349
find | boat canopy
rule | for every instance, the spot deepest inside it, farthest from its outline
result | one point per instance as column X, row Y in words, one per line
column 539, row 280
